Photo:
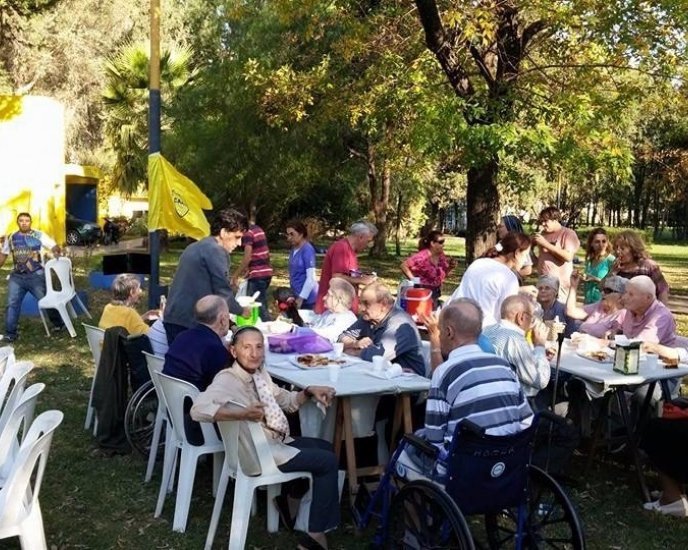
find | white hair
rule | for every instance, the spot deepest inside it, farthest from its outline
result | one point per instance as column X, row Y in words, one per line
column 644, row 284
column 363, row 227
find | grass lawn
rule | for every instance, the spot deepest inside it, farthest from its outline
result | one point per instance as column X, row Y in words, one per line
column 103, row 503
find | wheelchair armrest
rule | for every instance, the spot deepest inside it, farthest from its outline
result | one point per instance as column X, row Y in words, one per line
column 469, row 426
column 552, row 417
column 422, row 445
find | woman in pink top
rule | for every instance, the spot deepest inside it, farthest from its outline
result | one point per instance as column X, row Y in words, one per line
column 429, row 264
column 602, row 318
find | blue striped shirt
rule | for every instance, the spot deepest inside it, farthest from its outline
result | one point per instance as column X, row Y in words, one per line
column 479, row 386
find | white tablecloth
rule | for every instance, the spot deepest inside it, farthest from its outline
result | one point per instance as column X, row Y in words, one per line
column 355, row 380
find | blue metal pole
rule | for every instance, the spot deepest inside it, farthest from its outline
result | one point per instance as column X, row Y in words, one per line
column 154, row 106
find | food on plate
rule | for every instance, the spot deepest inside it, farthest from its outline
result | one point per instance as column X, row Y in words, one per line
column 598, row 355
column 311, row 360
column 670, row 362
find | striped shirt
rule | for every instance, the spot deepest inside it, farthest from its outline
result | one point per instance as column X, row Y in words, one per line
column 479, row 386
column 259, row 265
column 530, row 364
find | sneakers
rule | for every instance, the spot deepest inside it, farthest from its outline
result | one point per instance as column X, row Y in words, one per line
column 678, row 508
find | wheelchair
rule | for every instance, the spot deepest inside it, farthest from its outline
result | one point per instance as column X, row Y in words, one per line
column 490, row 476
column 139, row 419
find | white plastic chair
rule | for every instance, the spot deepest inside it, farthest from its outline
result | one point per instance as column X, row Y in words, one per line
column 61, row 300
column 175, row 391
column 6, row 358
column 245, row 486
column 155, row 364
column 11, row 388
column 95, row 337
column 20, row 512
column 17, row 420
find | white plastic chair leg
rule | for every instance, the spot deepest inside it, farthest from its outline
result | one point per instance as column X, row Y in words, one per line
column 273, row 515
column 243, row 499
column 382, row 448
column 218, row 461
column 187, row 474
column 66, row 319
column 45, row 323
column 167, row 471
column 89, row 413
column 217, row 507
column 71, row 310
column 153, row 453
column 31, row 533
column 95, row 423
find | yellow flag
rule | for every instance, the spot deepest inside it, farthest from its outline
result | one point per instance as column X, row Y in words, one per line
column 175, row 202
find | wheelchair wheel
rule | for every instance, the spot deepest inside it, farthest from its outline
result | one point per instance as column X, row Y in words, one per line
column 423, row 516
column 551, row 520
column 139, row 419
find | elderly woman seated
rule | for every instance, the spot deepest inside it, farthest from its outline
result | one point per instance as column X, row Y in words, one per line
column 121, row 312
column 602, row 318
column 552, row 309
column 337, row 316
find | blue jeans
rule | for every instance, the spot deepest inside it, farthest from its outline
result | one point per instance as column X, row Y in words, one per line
column 19, row 285
column 260, row 285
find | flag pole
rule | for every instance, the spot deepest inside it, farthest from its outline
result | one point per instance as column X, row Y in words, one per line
column 154, row 143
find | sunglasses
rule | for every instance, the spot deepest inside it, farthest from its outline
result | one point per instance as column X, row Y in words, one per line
column 440, row 241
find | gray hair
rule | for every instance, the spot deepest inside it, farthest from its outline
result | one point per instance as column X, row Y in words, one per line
column 515, row 304
column 123, row 285
column 344, row 289
column 208, row 309
column 382, row 293
column 363, row 227
column 644, row 284
column 464, row 316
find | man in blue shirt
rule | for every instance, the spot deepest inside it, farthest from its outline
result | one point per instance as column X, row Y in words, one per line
column 199, row 353
column 28, row 275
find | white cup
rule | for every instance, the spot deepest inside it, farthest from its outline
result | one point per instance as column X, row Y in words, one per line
column 338, row 349
column 651, row 361
column 378, row 363
column 333, row 372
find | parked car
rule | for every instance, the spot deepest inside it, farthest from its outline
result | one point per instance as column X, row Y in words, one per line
column 82, row 231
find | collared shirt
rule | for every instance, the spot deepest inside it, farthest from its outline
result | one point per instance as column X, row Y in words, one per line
column 396, row 338
column 656, row 325
column 237, row 385
column 531, row 364
column 196, row 355
column 26, row 249
column 598, row 323
column 479, row 386
column 259, row 264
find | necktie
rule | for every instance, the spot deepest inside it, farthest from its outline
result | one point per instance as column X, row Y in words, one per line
column 274, row 416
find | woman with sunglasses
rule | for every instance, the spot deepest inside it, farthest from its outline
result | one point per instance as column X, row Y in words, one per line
column 598, row 263
column 429, row 264
column 601, row 318
column 302, row 279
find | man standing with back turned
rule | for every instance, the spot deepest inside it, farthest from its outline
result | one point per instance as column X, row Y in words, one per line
column 28, row 275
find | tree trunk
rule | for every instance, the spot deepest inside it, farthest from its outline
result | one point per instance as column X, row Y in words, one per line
column 379, row 202
column 482, row 198
column 397, row 238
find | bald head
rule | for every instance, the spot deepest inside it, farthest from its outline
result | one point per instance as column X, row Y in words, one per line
column 639, row 295
column 642, row 283
column 209, row 308
column 460, row 324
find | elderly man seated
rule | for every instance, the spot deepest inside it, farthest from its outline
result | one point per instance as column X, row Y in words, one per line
column 384, row 329
column 509, row 340
column 245, row 391
column 469, row 384
column 647, row 319
column 337, row 316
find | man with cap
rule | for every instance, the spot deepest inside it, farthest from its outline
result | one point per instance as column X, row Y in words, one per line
column 552, row 308
column 647, row 319
column 557, row 246
column 602, row 318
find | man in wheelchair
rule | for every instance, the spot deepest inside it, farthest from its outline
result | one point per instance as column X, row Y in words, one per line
column 469, row 385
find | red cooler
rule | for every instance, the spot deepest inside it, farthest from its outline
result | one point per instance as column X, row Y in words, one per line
column 418, row 300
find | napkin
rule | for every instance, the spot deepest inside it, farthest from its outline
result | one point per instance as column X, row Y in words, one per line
column 388, row 373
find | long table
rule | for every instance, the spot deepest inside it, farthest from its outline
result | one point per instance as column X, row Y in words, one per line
column 613, row 384
column 354, row 408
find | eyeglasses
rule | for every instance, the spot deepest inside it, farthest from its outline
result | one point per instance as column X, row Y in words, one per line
column 439, row 241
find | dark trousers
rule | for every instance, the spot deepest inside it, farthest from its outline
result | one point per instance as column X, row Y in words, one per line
column 260, row 285
column 172, row 331
column 317, row 457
